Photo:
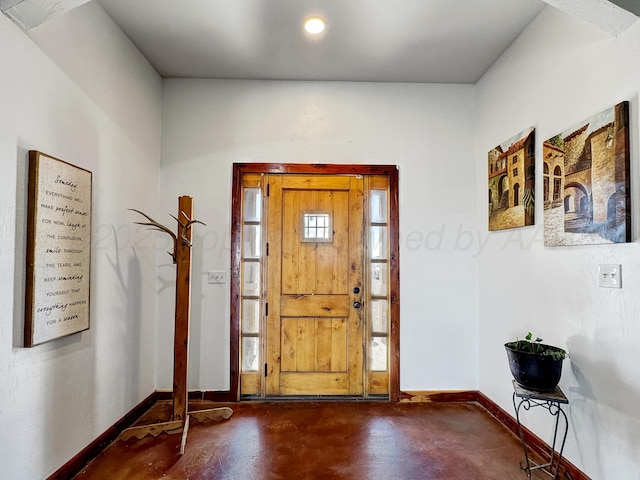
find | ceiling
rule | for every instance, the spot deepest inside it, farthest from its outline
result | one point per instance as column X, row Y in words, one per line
column 433, row 41
column 430, row 41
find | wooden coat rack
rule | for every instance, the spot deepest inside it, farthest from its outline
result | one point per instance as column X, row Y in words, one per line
column 182, row 258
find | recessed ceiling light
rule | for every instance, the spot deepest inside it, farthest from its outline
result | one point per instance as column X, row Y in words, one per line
column 314, row 25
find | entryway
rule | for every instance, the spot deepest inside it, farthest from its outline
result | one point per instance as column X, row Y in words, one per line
column 315, row 304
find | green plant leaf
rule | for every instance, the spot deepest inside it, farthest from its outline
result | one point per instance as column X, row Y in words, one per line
column 534, row 346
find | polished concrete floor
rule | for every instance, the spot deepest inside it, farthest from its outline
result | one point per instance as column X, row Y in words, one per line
column 323, row 440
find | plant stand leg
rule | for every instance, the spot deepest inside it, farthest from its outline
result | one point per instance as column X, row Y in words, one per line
column 553, row 403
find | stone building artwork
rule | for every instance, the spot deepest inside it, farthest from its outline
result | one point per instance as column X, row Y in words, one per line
column 586, row 181
column 512, row 182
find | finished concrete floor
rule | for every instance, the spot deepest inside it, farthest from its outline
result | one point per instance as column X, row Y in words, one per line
column 322, row 440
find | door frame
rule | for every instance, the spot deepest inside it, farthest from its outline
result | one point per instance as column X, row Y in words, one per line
column 391, row 171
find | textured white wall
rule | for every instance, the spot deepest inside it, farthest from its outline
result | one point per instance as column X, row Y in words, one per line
column 93, row 101
column 559, row 72
column 427, row 130
column 100, row 108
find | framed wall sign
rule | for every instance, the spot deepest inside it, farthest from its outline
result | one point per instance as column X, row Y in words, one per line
column 58, row 249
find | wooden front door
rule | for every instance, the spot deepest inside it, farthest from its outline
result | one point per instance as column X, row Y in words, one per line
column 314, row 323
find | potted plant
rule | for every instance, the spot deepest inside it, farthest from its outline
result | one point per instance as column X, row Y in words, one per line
column 534, row 365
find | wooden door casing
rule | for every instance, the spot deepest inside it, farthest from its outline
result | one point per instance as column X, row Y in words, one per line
column 241, row 173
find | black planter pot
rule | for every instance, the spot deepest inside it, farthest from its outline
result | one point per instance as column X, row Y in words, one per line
column 533, row 371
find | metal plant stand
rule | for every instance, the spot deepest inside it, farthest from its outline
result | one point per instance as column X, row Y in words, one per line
column 552, row 401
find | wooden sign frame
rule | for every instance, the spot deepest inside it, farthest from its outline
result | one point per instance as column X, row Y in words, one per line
column 58, row 249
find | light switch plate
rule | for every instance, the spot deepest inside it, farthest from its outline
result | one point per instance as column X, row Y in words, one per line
column 610, row 275
column 217, row 276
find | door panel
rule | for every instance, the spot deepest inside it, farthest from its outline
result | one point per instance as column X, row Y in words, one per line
column 314, row 344
column 314, row 267
column 320, row 305
column 314, row 333
column 312, row 383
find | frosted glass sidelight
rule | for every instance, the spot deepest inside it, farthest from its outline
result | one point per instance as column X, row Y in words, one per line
column 250, row 316
column 251, row 241
column 250, row 347
column 379, row 354
column 379, row 279
column 251, row 279
column 378, row 206
column 379, row 315
column 252, row 205
column 378, row 243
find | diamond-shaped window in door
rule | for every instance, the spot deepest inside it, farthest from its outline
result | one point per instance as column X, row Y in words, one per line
column 316, row 227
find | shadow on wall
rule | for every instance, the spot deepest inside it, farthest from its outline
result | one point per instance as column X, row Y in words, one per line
column 127, row 315
column 19, row 275
column 605, row 396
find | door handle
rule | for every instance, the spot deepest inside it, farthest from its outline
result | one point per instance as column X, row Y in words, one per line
column 356, row 304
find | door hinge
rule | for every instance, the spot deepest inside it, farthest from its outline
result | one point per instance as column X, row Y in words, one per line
column 265, row 369
column 266, row 309
column 267, row 249
column 268, row 188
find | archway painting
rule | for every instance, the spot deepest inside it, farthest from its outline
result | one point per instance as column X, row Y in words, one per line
column 590, row 162
column 512, row 163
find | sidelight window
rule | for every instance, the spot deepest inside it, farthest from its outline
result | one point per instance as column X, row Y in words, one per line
column 378, row 266
column 252, row 229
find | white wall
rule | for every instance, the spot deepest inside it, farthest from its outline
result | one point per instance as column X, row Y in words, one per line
column 559, row 72
column 92, row 100
column 427, row 130
column 99, row 109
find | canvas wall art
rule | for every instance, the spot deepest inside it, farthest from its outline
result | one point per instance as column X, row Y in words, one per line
column 586, row 181
column 58, row 249
column 512, row 182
